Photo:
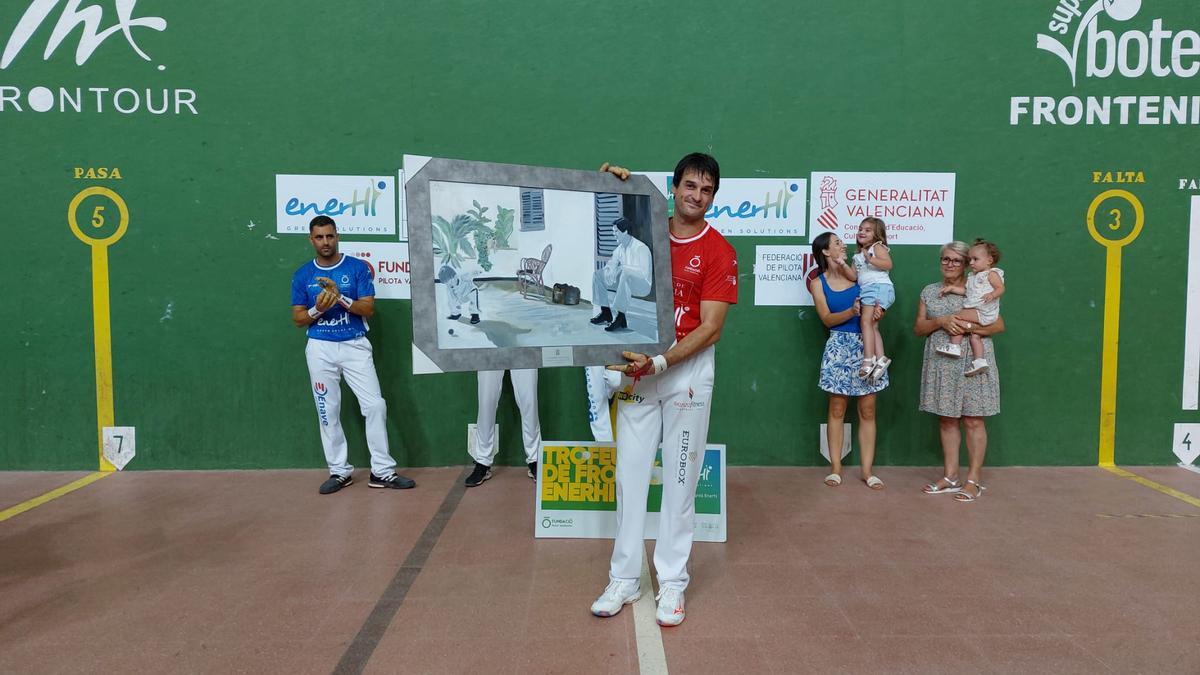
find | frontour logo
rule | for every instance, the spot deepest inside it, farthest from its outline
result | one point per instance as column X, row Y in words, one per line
column 1094, row 45
column 88, row 23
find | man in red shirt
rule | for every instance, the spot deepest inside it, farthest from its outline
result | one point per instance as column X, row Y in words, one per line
column 671, row 400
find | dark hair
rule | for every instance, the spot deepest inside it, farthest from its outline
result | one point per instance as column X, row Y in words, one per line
column 878, row 229
column 623, row 224
column 819, row 246
column 703, row 164
column 992, row 249
column 321, row 221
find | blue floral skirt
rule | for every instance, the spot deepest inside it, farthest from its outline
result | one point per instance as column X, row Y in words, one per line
column 840, row 364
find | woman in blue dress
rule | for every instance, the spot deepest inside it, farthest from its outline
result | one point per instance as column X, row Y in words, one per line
column 836, row 298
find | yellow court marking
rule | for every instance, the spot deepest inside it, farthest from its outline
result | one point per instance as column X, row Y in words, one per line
column 1172, row 492
column 51, row 495
column 1112, row 315
column 101, row 327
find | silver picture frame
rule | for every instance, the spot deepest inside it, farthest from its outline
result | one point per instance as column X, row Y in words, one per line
column 526, row 347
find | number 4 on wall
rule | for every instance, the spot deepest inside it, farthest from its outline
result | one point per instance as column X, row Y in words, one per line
column 1187, row 442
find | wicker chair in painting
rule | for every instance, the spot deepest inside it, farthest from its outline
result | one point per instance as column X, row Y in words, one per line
column 531, row 271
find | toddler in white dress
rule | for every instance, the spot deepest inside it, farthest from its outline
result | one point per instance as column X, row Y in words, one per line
column 983, row 289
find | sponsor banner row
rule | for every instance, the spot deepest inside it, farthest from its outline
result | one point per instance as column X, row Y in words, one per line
column 577, row 493
column 917, row 207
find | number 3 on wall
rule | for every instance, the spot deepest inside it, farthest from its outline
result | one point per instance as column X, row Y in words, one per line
column 1115, row 225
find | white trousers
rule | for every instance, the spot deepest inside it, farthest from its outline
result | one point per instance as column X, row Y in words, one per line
column 327, row 362
column 673, row 407
column 627, row 284
column 461, row 292
column 601, row 385
column 525, row 387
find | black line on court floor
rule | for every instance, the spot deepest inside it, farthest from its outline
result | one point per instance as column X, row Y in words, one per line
column 354, row 660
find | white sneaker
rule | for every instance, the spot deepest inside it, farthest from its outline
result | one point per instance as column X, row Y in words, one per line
column 670, row 607
column 977, row 366
column 950, row 349
column 618, row 594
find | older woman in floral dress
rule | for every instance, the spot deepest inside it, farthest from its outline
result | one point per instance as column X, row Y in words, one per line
column 958, row 401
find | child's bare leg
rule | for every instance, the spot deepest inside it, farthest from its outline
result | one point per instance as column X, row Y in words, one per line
column 878, row 340
column 970, row 316
column 867, row 323
column 976, row 346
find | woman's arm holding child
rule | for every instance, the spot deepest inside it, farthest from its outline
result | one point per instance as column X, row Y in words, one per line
column 830, row 319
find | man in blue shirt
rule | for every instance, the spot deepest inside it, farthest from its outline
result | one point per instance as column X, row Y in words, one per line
column 333, row 296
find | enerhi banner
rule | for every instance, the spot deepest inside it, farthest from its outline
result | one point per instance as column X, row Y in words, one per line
column 577, row 493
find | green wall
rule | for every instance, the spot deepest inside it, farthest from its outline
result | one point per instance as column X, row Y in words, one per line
column 211, row 372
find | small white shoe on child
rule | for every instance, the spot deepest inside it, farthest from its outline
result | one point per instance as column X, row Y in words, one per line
column 881, row 366
column 868, row 365
column 950, row 349
column 977, row 366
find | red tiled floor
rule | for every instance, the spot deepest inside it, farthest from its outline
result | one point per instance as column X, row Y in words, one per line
column 1054, row 570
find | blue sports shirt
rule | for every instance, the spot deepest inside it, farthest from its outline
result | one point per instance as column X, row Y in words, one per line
column 354, row 279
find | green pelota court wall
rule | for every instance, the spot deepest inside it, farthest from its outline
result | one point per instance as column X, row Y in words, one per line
column 210, row 371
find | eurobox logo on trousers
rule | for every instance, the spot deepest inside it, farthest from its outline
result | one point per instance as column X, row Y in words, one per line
column 93, row 25
column 1098, row 39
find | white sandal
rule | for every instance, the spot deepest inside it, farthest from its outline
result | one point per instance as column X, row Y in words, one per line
column 933, row 489
column 868, row 367
column 875, row 483
column 833, row 480
column 881, row 366
column 964, row 496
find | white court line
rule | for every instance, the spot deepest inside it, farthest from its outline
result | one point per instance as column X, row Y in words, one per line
column 1191, row 335
column 652, row 660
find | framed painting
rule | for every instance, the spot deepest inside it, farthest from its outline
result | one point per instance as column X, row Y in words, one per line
column 531, row 267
